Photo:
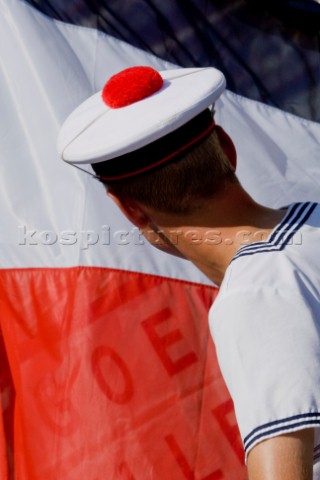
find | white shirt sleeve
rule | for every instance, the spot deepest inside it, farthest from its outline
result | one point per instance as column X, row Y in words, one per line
column 268, row 348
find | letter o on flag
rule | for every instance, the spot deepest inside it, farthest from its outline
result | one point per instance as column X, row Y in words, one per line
column 108, row 379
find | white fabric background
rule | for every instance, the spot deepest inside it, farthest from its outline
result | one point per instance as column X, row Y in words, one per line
column 47, row 69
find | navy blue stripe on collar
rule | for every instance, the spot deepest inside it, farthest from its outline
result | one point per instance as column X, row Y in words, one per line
column 281, row 426
column 296, row 216
column 316, row 453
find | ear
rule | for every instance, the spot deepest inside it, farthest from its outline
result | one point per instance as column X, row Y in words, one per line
column 227, row 145
column 131, row 209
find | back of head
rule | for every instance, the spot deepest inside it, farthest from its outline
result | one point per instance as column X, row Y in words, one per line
column 183, row 184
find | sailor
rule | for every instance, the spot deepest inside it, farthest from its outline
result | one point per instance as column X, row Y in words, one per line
column 152, row 141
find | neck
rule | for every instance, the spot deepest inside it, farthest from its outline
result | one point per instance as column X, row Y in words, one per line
column 210, row 237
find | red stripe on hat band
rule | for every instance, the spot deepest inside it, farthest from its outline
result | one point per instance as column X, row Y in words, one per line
column 172, row 155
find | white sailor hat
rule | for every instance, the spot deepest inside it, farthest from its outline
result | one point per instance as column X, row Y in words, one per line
column 140, row 120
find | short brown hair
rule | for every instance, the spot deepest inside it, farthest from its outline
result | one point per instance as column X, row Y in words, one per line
column 180, row 186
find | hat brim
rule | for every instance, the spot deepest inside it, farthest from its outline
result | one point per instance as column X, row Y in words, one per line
column 95, row 133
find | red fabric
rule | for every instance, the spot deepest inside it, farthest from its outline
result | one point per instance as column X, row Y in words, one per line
column 7, row 396
column 115, row 377
column 130, row 86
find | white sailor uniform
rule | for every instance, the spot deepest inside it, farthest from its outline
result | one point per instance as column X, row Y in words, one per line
column 265, row 324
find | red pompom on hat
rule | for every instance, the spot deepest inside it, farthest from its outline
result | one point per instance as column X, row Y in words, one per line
column 130, row 86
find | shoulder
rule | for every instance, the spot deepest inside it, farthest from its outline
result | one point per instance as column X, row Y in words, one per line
column 287, row 261
column 300, row 218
